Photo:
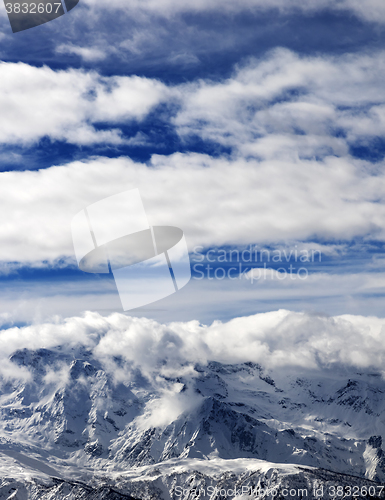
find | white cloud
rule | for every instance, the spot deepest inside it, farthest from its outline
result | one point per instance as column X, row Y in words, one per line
column 255, row 202
column 65, row 105
column 289, row 194
column 285, row 106
column 164, row 410
column 279, row 339
column 273, row 339
column 282, row 106
column 86, row 53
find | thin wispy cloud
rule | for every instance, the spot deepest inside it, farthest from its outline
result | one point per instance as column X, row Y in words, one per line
column 373, row 10
column 86, row 53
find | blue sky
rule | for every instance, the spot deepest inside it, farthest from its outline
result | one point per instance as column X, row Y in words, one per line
column 260, row 123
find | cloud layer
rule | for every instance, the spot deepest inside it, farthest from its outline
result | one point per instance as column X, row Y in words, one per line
column 285, row 106
column 289, row 125
column 281, row 106
column 276, row 340
column 288, row 121
column 255, row 202
column 373, row 10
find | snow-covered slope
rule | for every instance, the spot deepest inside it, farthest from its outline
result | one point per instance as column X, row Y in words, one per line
column 120, row 428
column 236, row 411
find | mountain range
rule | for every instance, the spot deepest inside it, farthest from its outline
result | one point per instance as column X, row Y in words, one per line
column 74, row 428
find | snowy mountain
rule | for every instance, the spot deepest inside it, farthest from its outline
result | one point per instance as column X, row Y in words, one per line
column 78, row 423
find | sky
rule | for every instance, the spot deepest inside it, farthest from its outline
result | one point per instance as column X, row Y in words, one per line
column 257, row 127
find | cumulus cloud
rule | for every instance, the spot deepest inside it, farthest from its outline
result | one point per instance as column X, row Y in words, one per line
column 279, row 339
column 285, row 105
column 241, row 112
column 255, row 202
column 65, row 105
column 281, row 106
